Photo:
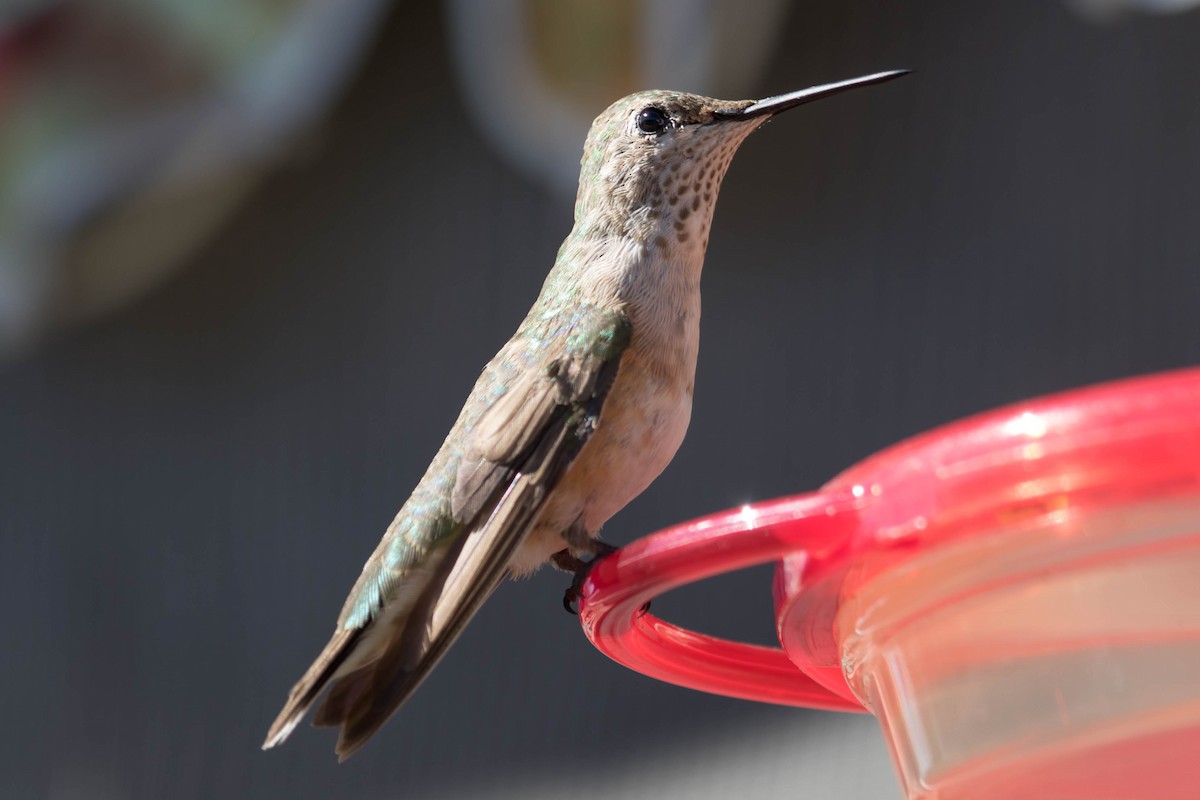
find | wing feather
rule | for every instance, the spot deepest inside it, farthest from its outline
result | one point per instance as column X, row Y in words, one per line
column 511, row 458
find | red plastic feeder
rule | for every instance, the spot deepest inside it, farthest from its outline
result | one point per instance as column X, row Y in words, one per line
column 1016, row 598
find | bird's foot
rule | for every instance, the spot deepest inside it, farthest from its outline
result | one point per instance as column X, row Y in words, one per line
column 568, row 562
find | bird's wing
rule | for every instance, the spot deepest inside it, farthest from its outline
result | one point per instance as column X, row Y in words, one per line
column 512, row 457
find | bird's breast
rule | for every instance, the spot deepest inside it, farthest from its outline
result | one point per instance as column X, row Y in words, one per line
column 645, row 415
column 642, row 424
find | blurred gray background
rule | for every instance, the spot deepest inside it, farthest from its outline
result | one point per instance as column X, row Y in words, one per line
column 189, row 486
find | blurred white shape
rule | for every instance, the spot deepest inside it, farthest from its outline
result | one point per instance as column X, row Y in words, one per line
column 1106, row 10
column 535, row 73
column 134, row 127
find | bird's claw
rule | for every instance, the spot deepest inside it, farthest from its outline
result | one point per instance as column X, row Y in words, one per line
column 582, row 569
column 574, row 592
column 570, row 598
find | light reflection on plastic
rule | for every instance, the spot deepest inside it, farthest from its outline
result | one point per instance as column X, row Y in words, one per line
column 1029, row 425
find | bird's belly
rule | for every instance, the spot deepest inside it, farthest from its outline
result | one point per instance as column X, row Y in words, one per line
column 641, row 426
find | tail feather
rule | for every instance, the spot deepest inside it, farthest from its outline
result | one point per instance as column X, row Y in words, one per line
column 376, row 691
column 364, row 700
column 410, row 635
column 346, row 692
column 475, row 565
column 379, row 695
column 308, row 687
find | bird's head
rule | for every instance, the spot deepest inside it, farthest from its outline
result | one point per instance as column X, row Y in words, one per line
column 662, row 153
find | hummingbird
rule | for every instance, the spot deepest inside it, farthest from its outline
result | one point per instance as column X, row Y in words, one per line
column 576, row 415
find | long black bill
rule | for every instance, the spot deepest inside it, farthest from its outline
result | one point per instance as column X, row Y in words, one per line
column 782, row 102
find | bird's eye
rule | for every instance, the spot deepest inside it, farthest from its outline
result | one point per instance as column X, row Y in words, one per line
column 652, row 121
